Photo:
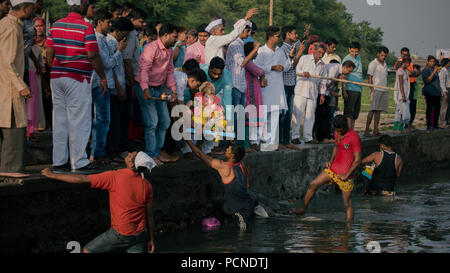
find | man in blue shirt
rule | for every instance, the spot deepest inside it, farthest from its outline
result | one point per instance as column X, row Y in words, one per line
column 179, row 49
column 101, row 99
column 352, row 92
column 221, row 79
column 432, row 92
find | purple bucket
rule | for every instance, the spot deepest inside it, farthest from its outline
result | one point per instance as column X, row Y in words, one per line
column 210, row 223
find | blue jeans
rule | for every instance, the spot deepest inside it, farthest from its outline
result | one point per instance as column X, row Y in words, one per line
column 100, row 125
column 112, row 240
column 156, row 120
column 238, row 98
column 286, row 116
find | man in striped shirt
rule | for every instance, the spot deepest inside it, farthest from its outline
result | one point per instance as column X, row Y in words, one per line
column 235, row 63
column 73, row 52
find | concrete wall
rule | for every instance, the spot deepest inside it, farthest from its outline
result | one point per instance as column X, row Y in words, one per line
column 42, row 216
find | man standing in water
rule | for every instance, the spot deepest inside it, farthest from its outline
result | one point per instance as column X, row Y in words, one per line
column 239, row 205
column 388, row 168
column 340, row 169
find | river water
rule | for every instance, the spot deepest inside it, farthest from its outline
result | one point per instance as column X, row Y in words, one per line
column 417, row 220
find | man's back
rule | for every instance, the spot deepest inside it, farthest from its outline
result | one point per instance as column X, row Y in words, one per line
column 128, row 195
column 72, row 38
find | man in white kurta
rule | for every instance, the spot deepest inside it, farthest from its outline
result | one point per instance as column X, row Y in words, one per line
column 307, row 91
column 215, row 43
column 274, row 62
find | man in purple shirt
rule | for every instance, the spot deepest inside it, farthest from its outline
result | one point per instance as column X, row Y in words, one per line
column 156, row 71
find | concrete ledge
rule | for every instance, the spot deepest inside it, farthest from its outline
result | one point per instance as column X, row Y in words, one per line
column 43, row 215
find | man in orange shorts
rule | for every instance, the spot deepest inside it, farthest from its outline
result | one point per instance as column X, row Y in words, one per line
column 340, row 169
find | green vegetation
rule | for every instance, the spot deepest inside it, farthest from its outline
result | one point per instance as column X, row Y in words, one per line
column 365, row 99
column 329, row 18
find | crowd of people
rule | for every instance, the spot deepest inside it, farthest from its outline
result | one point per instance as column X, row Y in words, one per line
column 93, row 78
column 106, row 76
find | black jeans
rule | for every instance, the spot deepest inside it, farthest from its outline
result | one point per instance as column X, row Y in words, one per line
column 286, row 116
column 322, row 125
column 117, row 139
column 433, row 110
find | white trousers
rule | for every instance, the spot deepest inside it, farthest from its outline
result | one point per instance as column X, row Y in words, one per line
column 271, row 134
column 402, row 113
column 72, row 121
column 303, row 108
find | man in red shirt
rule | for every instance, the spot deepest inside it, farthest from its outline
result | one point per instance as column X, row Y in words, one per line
column 340, row 169
column 130, row 199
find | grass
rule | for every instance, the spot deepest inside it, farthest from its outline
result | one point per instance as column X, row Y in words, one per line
column 365, row 99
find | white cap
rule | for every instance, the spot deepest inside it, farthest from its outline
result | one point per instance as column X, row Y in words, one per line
column 17, row 2
column 213, row 24
column 143, row 160
column 74, row 2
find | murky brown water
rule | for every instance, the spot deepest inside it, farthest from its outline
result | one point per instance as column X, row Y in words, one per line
column 417, row 220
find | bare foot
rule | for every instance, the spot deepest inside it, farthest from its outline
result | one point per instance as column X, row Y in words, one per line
column 282, row 147
column 171, row 158
column 298, row 211
column 157, row 161
column 292, row 147
column 255, row 147
column 163, row 159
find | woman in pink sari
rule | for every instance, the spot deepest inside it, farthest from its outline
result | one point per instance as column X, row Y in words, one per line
column 254, row 76
column 36, row 67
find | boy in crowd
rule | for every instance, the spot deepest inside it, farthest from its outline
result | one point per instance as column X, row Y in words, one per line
column 379, row 98
column 325, row 113
column 179, row 50
column 401, row 97
column 414, row 72
column 352, row 92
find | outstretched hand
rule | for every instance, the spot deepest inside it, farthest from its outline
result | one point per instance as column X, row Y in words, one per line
column 250, row 13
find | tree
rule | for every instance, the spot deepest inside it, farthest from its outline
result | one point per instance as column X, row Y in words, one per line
column 329, row 18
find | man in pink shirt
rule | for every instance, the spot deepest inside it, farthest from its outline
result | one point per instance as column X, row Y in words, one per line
column 197, row 50
column 156, row 72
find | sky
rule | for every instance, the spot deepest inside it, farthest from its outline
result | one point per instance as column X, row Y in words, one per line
column 420, row 25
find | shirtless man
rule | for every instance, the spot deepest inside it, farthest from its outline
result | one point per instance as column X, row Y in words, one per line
column 340, row 169
column 238, row 205
column 389, row 166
